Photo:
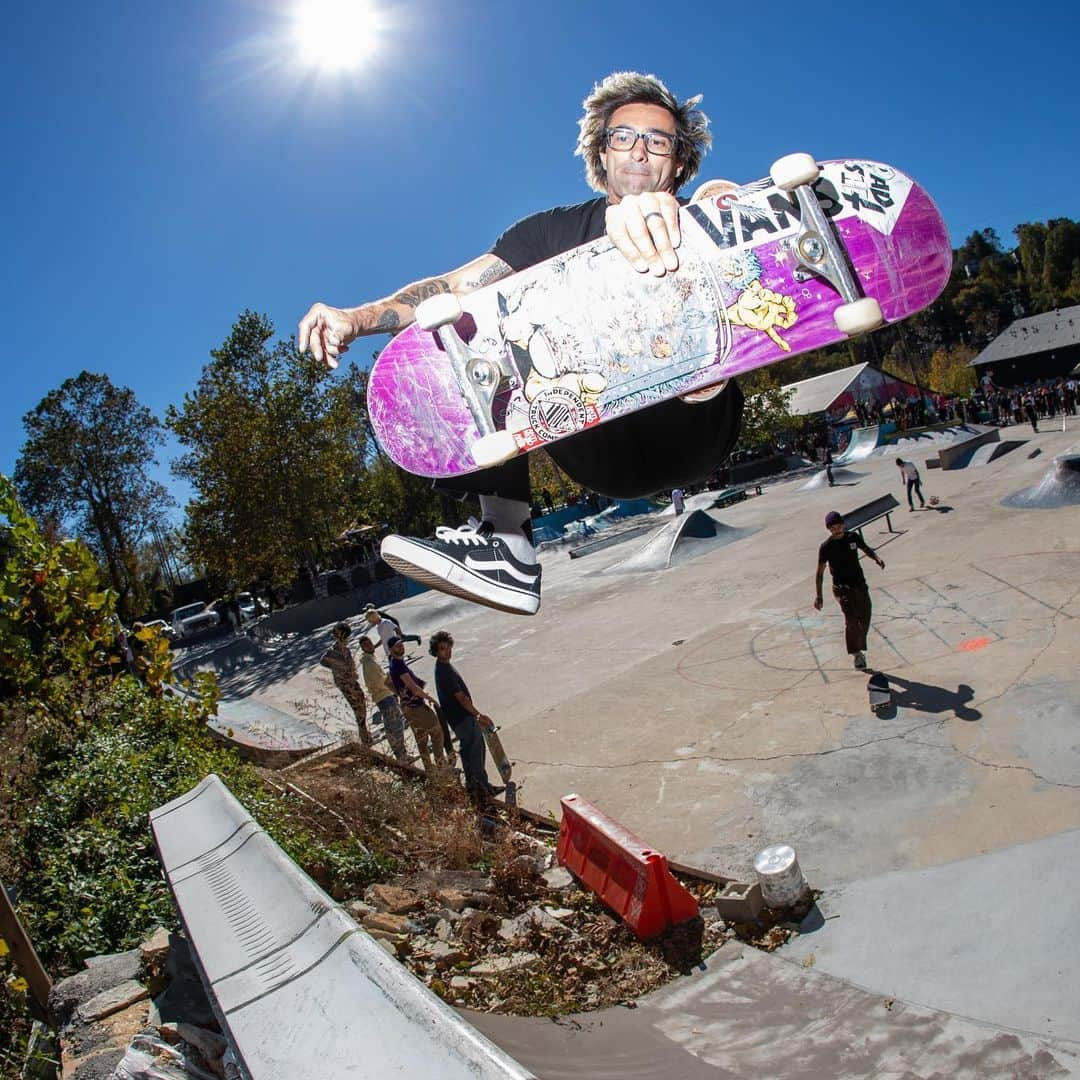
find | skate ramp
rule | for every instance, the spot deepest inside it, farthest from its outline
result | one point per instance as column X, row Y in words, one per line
column 992, row 451
column 959, row 455
column 676, row 542
column 864, row 441
column 703, row 500
column 1060, row 486
column 840, row 476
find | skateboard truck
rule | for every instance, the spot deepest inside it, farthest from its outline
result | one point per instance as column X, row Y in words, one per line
column 477, row 375
column 817, row 249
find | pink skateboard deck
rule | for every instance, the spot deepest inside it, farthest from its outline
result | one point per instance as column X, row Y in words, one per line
column 583, row 338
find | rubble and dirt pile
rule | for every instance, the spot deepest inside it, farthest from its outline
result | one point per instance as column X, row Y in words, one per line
column 478, row 907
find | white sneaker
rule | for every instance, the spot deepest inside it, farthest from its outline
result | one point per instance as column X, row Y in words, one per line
column 473, row 562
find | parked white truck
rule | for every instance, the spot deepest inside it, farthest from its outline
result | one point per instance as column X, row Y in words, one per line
column 191, row 619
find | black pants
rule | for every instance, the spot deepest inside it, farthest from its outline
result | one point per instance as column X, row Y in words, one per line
column 854, row 601
column 915, row 486
column 665, row 446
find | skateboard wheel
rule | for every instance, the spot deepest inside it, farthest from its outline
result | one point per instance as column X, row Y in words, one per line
column 436, row 311
column 494, row 449
column 859, row 316
column 793, row 171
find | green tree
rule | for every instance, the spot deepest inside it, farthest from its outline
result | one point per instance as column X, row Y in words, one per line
column 274, row 449
column 1031, row 250
column 390, row 497
column 56, row 615
column 949, row 370
column 1061, row 266
column 765, row 413
column 1050, row 262
column 86, row 461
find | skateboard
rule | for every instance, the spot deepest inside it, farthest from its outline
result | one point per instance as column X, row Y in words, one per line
column 879, row 691
column 498, row 754
column 799, row 260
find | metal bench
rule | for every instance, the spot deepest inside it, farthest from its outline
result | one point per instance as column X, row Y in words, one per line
column 299, row 989
column 862, row 515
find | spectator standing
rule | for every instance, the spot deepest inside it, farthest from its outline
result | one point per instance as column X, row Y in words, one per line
column 382, row 693
column 677, row 501
column 1029, row 412
column 464, row 717
column 339, row 659
column 416, row 704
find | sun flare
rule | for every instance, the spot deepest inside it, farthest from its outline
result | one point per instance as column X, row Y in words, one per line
column 335, row 35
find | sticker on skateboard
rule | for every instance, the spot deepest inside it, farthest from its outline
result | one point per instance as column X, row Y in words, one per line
column 767, row 270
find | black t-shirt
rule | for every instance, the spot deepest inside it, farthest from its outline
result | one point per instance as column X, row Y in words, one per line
column 842, row 555
column 549, row 233
column 447, row 683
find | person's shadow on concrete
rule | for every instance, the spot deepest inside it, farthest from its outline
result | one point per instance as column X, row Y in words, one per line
column 922, row 697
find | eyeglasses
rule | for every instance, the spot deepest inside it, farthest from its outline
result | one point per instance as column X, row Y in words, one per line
column 625, row 138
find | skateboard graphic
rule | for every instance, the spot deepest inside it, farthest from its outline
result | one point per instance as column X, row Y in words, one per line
column 879, row 692
column 767, row 270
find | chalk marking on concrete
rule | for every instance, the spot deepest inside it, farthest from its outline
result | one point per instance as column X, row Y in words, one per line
column 810, row 646
column 963, row 611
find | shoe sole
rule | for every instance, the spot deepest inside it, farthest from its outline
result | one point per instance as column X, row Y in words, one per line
column 446, row 575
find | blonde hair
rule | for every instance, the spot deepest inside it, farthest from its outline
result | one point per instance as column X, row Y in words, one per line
column 692, row 138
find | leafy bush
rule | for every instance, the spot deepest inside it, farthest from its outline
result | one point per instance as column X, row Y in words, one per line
column 87, row 750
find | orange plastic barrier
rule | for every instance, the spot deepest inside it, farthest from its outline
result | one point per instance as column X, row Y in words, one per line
column 632, row 879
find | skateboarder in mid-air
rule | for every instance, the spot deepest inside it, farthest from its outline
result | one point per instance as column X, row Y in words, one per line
column 841, row 553
column 640, row 145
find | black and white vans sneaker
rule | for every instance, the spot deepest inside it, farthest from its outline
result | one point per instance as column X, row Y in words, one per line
column 473, row 562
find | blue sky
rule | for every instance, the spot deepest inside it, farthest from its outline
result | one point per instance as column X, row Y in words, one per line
column 172, row 163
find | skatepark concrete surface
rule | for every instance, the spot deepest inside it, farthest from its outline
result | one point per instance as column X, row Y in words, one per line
column 709, row 708
column 841, row 476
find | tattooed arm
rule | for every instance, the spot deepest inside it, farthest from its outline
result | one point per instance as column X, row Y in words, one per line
column 328, row 331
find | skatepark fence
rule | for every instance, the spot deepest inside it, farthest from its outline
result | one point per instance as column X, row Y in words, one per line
column 632, row 879
column 299, row 989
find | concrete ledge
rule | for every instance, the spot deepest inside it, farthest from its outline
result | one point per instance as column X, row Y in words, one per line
column 300, row 990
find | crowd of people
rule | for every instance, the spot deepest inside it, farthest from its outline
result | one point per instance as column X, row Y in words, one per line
column 1027, row 404
column 447, row 726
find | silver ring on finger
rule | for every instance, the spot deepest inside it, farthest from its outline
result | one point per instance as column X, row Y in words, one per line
column 654, row 213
